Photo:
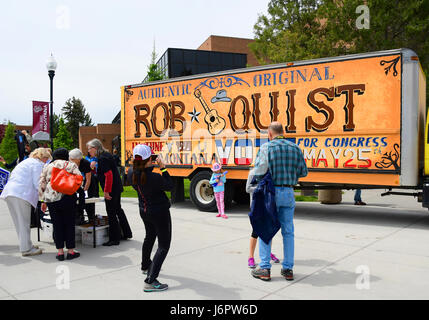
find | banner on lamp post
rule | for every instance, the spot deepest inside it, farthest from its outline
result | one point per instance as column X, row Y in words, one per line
column 41, row 121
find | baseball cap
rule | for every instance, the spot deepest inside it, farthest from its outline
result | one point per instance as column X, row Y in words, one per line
column 216, row 166
column 142, row 150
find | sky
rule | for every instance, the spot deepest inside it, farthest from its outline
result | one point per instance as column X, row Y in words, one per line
column 100, row 46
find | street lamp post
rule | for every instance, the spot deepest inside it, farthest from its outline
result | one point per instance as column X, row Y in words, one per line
column 51, row 65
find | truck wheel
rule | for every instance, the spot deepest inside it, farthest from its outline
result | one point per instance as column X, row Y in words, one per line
column 201, row 192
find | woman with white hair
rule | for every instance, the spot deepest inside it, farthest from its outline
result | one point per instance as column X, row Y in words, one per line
column 110, row 181
column 21, row 194
column 89, row 185
column 62, row 207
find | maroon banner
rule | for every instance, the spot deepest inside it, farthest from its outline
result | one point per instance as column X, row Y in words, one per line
column 41, row 120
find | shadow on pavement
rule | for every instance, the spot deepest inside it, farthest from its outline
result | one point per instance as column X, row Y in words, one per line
column 330, row 276
column 12, row 260
column 202, row 288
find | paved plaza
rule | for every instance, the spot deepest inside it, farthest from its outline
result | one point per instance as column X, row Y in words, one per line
column 378, row 251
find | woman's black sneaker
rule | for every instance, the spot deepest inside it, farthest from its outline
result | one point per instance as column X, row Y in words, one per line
column 287, row 273
column 74, row 255
column 60, row 257
column 155, row 286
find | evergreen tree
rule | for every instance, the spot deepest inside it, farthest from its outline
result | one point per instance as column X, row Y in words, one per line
column 154, row 73
column 56, row 124
column 75, row 114
column 63, row 138
column 2, row 131
column 8, row 147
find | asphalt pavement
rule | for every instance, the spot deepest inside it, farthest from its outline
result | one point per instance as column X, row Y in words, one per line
column 343, row 251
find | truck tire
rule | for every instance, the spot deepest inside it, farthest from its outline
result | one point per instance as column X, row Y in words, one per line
column 201, row 192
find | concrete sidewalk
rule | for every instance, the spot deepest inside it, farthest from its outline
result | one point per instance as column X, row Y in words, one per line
column 335, row 247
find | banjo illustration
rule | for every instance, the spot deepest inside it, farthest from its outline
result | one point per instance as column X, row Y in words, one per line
column 214, row 122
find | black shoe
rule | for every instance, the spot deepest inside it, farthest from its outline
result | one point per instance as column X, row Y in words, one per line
column 126, row 237
column 111, row 243
column 155, row 286
column 360, row 203
column 73, row 256
column 60, row 257
column 287, row 273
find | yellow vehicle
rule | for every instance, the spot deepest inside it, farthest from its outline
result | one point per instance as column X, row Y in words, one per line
column 359, row 120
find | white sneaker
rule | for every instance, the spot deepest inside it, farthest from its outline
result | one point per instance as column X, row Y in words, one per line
column 32, row 252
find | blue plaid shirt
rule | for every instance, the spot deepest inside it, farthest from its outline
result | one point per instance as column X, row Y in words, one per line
column 284, row 159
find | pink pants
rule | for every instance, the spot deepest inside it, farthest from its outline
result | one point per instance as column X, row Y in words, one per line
column 219, row 196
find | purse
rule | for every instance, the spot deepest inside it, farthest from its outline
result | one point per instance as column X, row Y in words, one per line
column 65, row 182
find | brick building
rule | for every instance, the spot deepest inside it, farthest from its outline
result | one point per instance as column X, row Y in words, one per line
column 107, row 133
column 230, row 44
column 17, row 127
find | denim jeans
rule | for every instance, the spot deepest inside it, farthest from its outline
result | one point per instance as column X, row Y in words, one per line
column 285, row 202
column 358, row 193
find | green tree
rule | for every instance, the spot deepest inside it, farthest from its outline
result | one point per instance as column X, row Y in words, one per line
column 8, row 147
column 154, row 73
column 63, row 139
column 307, row 29
column 285, row 33
column 56, row 125
column 75, row 115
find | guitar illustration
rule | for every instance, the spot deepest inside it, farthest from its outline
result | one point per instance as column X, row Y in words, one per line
column 214, row 122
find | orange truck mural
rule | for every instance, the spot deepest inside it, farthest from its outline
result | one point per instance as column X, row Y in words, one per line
column 358, row 119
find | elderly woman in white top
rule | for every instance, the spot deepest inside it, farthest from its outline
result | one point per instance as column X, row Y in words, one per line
column 21, row 193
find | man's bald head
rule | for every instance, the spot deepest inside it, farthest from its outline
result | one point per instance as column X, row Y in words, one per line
column 276, row 128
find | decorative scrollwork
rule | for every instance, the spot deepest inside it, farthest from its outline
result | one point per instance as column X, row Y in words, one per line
column 128, row 93
column 393, row 64
column 389, row 159
column 227, row 81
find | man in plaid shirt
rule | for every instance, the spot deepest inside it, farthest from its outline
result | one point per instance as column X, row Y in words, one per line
column 285, row 161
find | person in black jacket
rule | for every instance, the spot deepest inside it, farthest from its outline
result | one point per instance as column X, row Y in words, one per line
column 154, row 208
column 21, row 142
column 110, row 181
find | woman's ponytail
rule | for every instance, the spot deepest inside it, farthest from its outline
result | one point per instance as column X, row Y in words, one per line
column 138, row 166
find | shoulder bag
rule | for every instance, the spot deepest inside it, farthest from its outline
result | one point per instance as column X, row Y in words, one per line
column 65, row 182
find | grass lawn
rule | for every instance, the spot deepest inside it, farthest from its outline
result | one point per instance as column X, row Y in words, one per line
column 306, row 198
column 129, row 192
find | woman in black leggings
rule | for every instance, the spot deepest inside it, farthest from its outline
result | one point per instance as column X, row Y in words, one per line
column 154, row 211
